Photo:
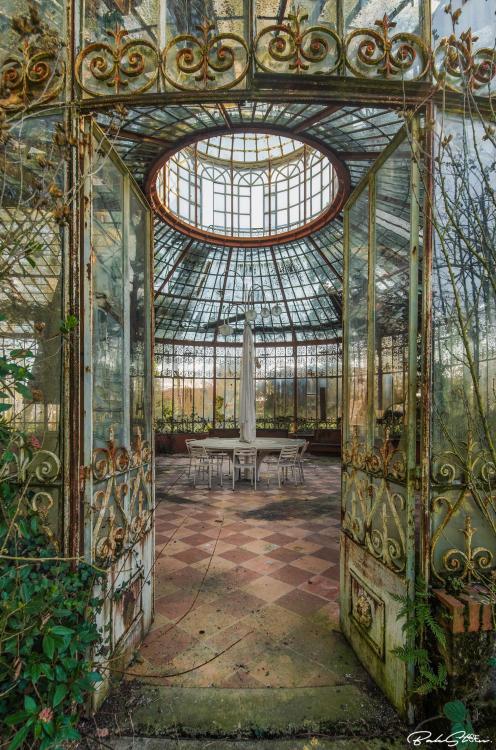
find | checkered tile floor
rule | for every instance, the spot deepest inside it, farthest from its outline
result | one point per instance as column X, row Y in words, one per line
column 246, row 583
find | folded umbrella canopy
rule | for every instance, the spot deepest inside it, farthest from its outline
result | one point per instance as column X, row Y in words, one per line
column 247, row 415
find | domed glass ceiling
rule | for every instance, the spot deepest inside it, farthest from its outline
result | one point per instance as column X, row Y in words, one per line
column 246, row 148
column 198, row 279
column 242, row 186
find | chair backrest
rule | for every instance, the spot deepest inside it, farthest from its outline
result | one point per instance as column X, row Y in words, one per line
column 304, row 448
column 188, row 445
column 289, row 454
column 197, row 451
column 245, row 455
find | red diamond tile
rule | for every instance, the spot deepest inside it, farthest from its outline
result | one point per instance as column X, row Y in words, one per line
column 195, row 540
column 290, row 574
column 238, row 539
column 279, row 539
column 192, row 555
column 238, row 555
column 286, row 555
column 321, row 586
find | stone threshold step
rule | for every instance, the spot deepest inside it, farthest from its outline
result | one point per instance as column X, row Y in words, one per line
column 344, row 710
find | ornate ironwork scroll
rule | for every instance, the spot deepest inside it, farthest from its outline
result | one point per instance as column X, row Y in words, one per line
column 464, row 494
column 38, row 472
column 373, row 52
column 386, row 460
column 31, row 77
column 119, row 66
column 121, row 500
column 374, row 500
column 207, row 61
column 294, row 47
column 459, row 66
column 35, row 72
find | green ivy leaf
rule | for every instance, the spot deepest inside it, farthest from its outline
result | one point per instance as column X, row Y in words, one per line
column 62, row 631
column 48, row 646
column 19, row 737
column 30, row 704
column 24, row 391
column 59, row 695
column 455, row 711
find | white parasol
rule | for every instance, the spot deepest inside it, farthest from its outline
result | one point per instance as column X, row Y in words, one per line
column 247, row 414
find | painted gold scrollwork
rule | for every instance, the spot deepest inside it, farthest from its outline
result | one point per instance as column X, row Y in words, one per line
column 294, row 47
column 39, row 471
column 31, row 77
column 385, row 526
column 111, row 460
column 387, row 460
column 355, row 504
column 354, row 452
column 468, row 465
column 449, row 556
column 458, row 65
column 468, row 562
column 118, row 66
column 110, row 529
column 208, row 61
column 374, row 508
column 37, row 467
column 371, row 52
column 122, row 507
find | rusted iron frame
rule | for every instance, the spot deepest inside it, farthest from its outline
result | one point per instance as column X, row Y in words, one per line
column 225, row 115
column 326, row 260
column 70, row 412
column 345, row 436
column 171, row 271
column 279, row 90
column 321, row 220
column 90, row 131
column 371, row 325
column 130, row 135
column 413, row 313
column 327, row 111
column 86, row 335
column 427, row 339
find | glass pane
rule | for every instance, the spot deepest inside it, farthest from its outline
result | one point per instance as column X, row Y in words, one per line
column 357, row 315
column 138, row 246
column 31, row 306
column 362, row 14
column 463, row 293
column 108, row 305
column 393, row 203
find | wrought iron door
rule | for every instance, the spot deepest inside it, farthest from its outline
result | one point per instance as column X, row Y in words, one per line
column 117, row 361
column 381, row 307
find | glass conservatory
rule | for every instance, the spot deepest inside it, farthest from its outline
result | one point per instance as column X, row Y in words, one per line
column 179, row 177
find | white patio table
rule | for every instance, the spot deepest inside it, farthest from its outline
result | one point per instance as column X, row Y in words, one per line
column 263, row 445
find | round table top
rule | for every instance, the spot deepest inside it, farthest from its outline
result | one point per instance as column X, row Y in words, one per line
column 260, row 443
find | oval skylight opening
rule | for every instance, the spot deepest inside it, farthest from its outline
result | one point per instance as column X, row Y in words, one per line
column 249, row 188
